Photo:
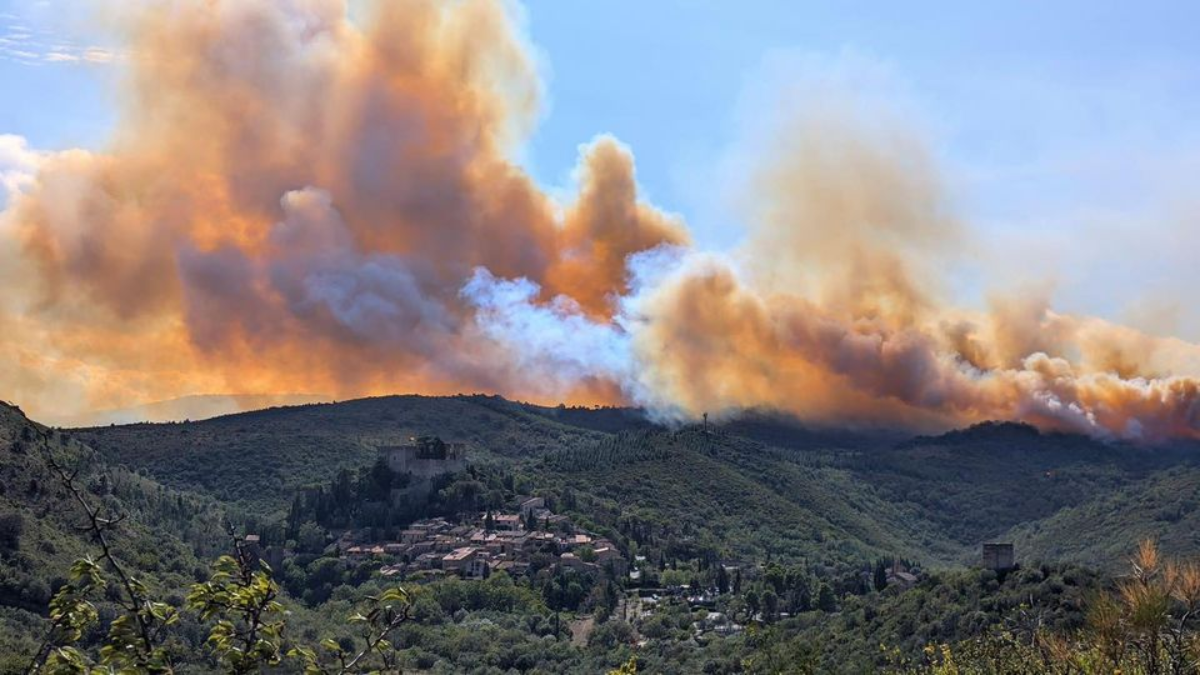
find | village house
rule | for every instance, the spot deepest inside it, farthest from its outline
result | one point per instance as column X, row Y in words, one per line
column 428, row 561
column 531, row 505
column 477, row 568
column 998, row 557
column 575, row 541
column 507, row 522
column 609, row 558
column 361, row 553
column 468, row 562
column 572, row 562
column 899, row 575
column 458, row 558
column 514, row 568
column 413, row 535
column 472, row 552
column 418, row 548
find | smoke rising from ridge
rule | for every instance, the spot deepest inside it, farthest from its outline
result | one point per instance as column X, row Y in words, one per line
column 295, row 202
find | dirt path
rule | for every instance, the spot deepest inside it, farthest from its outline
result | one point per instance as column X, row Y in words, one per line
column 580, row 630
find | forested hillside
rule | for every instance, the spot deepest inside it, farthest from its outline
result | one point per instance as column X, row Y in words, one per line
column 1164, row 506
column 258, row 459
column 743, row 500
column 974, row 485
column 757, row 542
column 764, row 483
column 166, row 536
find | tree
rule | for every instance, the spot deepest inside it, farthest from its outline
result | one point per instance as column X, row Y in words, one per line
column 134, row 642
column 380, row 479
column 311, row 538
column 770, row 603
column 627, row 668
column 722, row 580
column 343, row 488
column 382, row 616
column 247, row 626
column 752, row 602
column 1147, row 624
column 773, row 653
column 880, row 578
column 248, row 631
column 775, row 577
column 826, row 602
column 12, row 525
column 431, row 447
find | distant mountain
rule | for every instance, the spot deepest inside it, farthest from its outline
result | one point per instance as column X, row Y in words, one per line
column 984, row 432
column 187, row 408
column 606, row 419
column 785, row 431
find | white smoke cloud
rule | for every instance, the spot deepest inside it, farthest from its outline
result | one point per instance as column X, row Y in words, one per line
column 552, row 343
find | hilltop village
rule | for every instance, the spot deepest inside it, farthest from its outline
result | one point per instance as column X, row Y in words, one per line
column 474, row 545
column 525, row 538
column 507, row 542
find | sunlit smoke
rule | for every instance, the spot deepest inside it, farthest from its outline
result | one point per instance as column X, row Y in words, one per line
column 296, row 202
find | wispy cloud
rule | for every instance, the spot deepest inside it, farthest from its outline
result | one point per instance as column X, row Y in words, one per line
column 22, row 44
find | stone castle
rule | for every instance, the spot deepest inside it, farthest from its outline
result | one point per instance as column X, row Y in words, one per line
column 423, row 460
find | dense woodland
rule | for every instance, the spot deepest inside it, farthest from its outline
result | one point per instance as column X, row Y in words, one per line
column 789, row 529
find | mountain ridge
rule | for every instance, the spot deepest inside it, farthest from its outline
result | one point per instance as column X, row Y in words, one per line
column 975, row 483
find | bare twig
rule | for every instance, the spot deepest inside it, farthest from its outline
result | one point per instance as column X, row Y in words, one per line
column 98, row 524
column 373, row 641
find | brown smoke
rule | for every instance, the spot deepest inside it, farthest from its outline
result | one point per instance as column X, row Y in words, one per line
column 293, row 202
column 833, row 311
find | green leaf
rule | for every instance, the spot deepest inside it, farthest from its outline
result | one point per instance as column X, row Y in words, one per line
column 331, row 645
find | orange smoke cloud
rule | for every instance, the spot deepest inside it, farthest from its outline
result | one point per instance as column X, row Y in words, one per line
column 293, row 202
column 833, row 311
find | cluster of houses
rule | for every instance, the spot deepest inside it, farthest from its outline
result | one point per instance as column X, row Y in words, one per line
column 507, row 542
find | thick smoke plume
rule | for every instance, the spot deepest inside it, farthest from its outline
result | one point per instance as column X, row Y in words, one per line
column 297, row 202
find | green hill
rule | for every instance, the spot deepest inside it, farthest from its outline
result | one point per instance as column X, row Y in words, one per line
column 793, row 507
column 759, row 499
column 747, row 500
column 764, row 484
column 976, row 484
column 258, row 460
column 166, row 536
column 1164, row 506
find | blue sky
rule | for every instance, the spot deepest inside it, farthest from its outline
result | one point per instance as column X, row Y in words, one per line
column 1065, row 127
column 1067, row 132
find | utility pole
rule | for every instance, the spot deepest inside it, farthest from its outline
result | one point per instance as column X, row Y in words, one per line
column 705, row 423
